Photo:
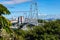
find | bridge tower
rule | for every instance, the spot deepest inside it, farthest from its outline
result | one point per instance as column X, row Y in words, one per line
column 34, row 13
column 34, row 10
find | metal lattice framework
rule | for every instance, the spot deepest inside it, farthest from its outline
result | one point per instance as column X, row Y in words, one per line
column 33, row 13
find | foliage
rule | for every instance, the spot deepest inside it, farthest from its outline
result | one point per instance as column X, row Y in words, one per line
column 50, row 31
column 41, row 21
column 4, row 23
column 3, row 10
column 3, row 20
column 1, row 38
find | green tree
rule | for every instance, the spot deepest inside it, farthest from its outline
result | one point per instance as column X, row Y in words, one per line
column 42, row 21
column 3, row 21
column 50, row 31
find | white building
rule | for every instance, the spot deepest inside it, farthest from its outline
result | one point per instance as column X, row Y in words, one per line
column 21, row 19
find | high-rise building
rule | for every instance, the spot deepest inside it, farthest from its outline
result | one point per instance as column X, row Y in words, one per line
column 21, row 19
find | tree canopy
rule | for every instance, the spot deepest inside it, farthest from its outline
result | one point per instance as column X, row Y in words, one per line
column 3, row 20
column 3, row 10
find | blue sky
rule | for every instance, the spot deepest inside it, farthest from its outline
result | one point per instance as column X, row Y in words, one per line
column 46, row 8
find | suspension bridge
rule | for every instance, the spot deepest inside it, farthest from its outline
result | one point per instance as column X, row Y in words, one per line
column 32, row 18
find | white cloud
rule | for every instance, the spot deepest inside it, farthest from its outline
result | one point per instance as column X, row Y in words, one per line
column 42, row 14
column 14, row 1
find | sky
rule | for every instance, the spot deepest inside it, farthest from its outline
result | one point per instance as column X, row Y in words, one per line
column 46, row 8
